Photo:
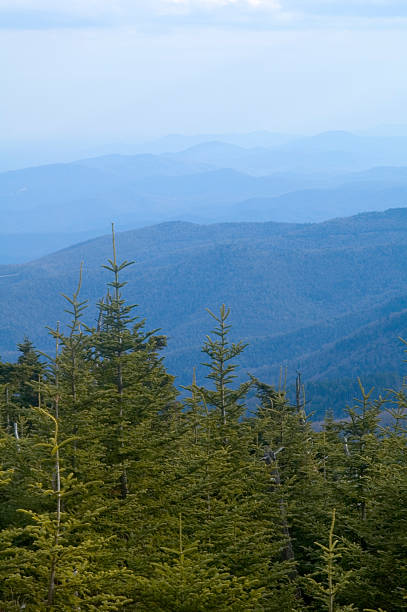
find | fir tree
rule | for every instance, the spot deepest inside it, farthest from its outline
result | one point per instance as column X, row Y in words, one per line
column 225, row 399
column 335, row 579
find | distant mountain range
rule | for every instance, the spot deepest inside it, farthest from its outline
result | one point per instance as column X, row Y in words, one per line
column 254, row 177
column 388, row 141
column 329, row 299
column 330, row 152
column 276, row 226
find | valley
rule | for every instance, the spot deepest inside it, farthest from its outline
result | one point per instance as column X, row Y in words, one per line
column 327, row 299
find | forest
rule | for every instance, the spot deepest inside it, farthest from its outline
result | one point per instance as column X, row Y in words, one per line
column 117, row 492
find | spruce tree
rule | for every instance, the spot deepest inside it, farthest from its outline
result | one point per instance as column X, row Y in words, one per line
column 335, row 579
column 56, row 561
column 189, row 581
column 233, row 511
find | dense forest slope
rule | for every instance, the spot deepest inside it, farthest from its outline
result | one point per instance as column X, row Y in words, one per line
column 329, row 299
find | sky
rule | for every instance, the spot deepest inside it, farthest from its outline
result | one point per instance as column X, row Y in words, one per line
column 110, row 71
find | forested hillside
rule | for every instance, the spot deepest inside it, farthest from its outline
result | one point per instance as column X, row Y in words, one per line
column 117, row 495
column 326, row 299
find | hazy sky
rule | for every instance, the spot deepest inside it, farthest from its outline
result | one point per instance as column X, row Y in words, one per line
column 106, row 70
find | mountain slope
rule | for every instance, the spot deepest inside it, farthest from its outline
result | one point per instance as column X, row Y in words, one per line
column 313, row 205
column 329, row 298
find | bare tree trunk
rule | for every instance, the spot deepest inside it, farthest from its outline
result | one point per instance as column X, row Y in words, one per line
column 16, row 434
column 270, row 458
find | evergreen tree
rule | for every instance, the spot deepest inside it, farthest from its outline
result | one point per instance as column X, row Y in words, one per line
column 233, row 511
column 132, row 381
column 335, row 579
column 190, row 582
column 225, row 399
column 56, row 561
column 27, row 371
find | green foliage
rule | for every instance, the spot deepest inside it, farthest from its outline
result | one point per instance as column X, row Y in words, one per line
column 116, row 495
column 190, row 582
column 221, row 370
column 335, row 579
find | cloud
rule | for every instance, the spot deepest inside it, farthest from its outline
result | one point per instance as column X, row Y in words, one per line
column 116, row 8
column 37, row 14
column 44, row 14
column 194, row 4
column 352, row 8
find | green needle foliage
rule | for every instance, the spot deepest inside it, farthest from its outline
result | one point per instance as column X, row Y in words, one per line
column 189, row 581
column 335, row 579
column 116, row 495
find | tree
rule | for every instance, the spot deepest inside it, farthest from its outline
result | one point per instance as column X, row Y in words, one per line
column 56, row 559
column 223, row 398
column 336, row 580
column 190, row 582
